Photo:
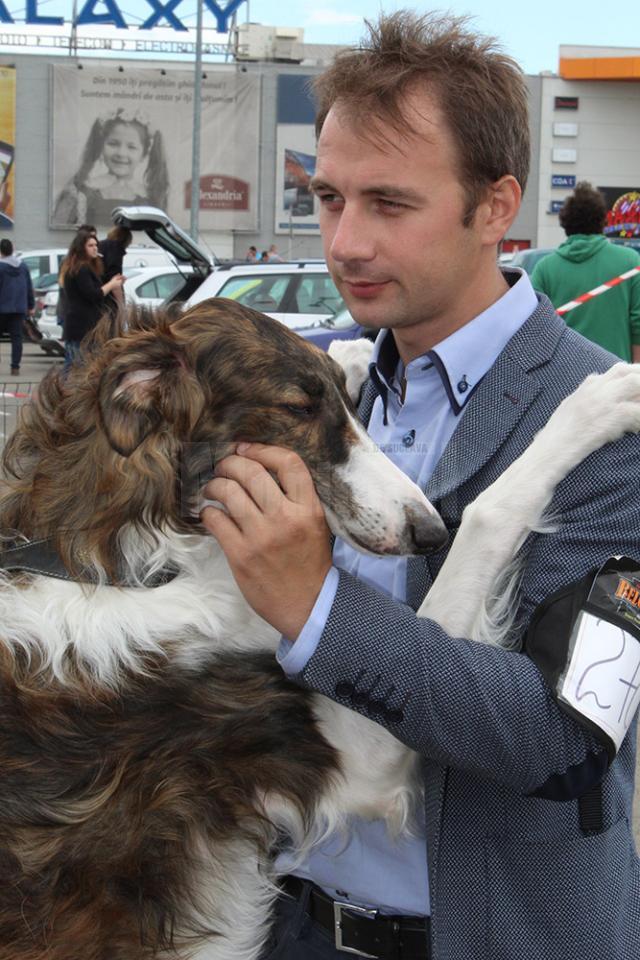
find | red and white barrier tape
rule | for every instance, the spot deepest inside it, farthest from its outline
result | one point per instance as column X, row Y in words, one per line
column 572, row 304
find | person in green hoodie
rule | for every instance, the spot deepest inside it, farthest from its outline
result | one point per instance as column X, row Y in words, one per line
column 584, row 261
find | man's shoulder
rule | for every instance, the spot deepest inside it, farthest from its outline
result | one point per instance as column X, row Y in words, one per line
column 555, row 356
column 625, row 257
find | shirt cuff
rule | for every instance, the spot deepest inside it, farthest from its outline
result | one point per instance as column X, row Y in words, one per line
column 293, row 657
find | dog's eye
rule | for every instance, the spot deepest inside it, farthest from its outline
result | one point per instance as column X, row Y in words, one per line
column 299, row 410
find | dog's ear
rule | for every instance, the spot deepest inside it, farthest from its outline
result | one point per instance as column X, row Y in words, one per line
column 147, row 387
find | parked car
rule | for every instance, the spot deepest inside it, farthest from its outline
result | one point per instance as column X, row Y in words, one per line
column 527, row 259
column 633, row 242
column 298, row 293
column 41, row 263
column 301, row 295
column 42, row 286
column 145, row 285
column 177, row 245
column 49, row 326
column 154, row 285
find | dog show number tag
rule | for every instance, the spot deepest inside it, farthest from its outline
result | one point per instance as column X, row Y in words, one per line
column 602, row 679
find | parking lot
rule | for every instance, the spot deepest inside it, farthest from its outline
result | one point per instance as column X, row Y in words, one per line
column 14, row 391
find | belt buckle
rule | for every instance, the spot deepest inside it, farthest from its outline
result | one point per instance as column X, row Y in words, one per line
column 338, row 907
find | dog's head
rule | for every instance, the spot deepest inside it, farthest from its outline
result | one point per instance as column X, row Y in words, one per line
column 134, row 433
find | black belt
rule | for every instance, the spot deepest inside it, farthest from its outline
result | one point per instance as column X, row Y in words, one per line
column 363, row 932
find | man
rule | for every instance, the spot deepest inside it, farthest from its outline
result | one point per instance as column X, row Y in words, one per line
column 16, row 300
column 585, row 260
column 422, row 154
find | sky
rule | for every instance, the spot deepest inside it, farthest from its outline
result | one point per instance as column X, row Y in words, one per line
column 531, row 31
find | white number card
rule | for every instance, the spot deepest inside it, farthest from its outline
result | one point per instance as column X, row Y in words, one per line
column 602, row 680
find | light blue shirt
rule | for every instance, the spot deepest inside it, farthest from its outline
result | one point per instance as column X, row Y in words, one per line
column 371, row 869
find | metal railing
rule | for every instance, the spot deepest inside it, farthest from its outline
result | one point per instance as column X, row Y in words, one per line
column 13, row 394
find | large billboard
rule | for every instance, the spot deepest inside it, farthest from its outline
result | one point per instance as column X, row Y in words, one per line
column 7, row 145
column 124, row 136
column 296, row 207
column 623, row 211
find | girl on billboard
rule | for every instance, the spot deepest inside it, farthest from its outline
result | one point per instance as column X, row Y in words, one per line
column 123, row 163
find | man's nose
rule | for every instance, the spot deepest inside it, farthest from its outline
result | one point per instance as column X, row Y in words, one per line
column 353, row 238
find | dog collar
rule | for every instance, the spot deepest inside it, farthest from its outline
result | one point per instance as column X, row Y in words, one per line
column 41, row 557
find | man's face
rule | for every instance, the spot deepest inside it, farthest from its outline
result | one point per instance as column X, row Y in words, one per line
column 391, row 212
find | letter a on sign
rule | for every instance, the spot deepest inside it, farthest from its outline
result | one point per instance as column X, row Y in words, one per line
column 113, row 15
column 163, row 11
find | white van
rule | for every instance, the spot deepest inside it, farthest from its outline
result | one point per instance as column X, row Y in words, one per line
column 42, row 262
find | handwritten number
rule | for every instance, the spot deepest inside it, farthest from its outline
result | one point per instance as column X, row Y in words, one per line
column 592, row 666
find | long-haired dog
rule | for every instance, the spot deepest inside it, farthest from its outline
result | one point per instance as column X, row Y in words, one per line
column 152, row 752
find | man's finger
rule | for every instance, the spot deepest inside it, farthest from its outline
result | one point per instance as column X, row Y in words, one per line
column 258, row 483
column 290, row 470
column 239, row 505
column 223, row 528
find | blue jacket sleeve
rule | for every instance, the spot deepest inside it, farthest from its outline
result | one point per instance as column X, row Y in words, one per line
column 472, row 706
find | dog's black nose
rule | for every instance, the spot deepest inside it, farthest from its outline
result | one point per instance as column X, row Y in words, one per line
column 428, row 532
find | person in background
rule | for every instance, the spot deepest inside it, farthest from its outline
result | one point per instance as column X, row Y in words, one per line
column 272, row 254
column 90, row 230
column 112, row 250
column 585, row 260
column 252, row 254
column 85, row 292
column 522, row 848
column 16, row 300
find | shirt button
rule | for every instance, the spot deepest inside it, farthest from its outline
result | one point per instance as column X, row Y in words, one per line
column 463, row 386
column 409, row 438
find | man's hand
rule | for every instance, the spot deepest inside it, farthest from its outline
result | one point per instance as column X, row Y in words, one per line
column 274, row 534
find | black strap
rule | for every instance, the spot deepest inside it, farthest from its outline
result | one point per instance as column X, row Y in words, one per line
column 590, row 811
column 41, row 557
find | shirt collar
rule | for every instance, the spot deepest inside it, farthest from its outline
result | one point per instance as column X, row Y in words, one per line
column 463, row 358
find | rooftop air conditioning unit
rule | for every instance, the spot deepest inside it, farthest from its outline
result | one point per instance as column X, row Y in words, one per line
column 252, row 41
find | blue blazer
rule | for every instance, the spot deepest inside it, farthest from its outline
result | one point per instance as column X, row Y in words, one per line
column 513, row 876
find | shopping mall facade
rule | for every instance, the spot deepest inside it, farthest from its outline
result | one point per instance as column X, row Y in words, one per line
column 74, row 123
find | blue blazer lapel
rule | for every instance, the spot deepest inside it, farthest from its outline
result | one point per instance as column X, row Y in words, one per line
column 491, row 415
column 504, row 396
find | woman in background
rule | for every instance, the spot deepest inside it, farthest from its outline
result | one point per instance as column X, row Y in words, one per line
column 123, row 163
column 112, row 251
column 85, row 293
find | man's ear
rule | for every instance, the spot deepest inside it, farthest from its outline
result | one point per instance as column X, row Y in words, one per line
column 503, row 203
column 145, row 389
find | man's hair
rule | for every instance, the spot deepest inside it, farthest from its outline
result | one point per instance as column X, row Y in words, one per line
column 6, row 247
column 585, row 211
column 481, row 92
